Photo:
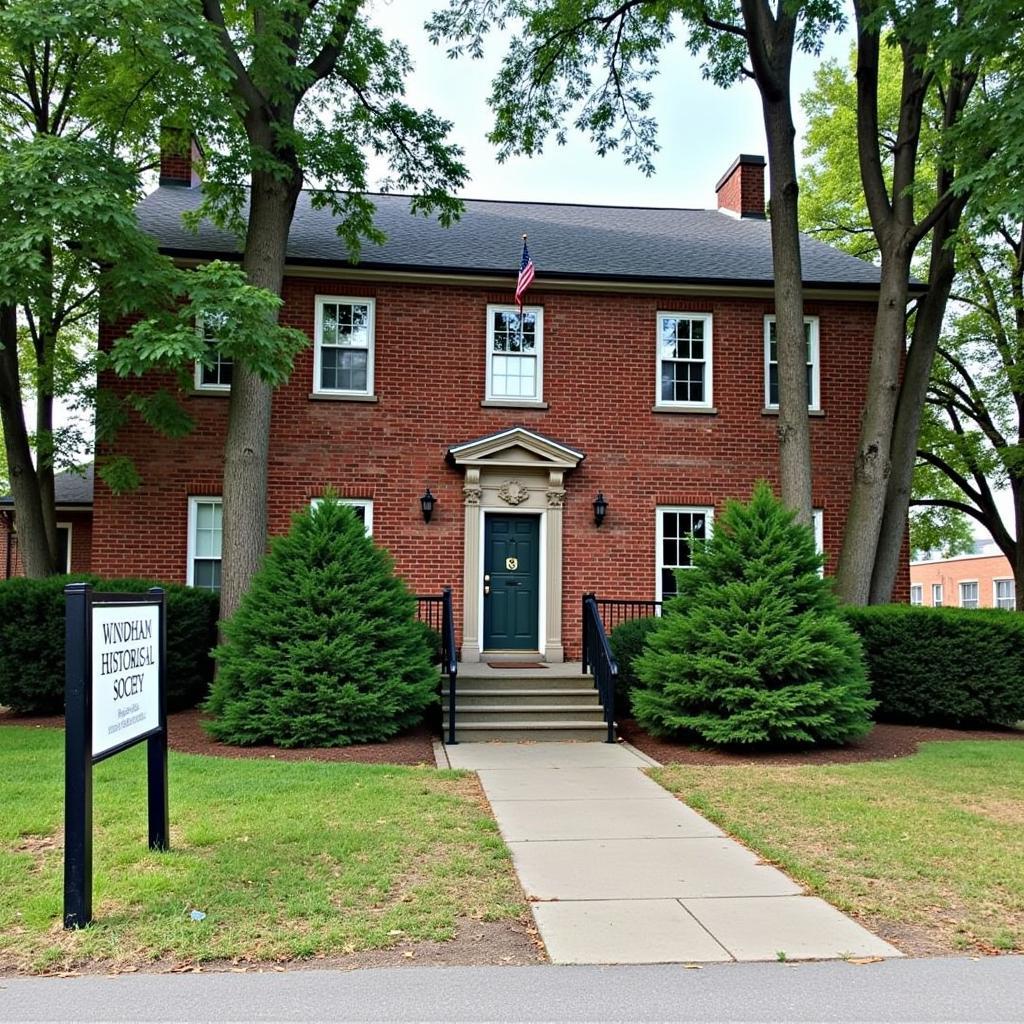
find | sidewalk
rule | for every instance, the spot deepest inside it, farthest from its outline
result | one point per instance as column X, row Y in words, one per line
column 619, row 871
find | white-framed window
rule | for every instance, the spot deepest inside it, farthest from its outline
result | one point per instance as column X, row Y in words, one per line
column 205, row 529
column 771, row 364
column 343, row 332
column 677, row 526
column 936, row 595
column 216, row 375
column 684, row 360
column 363, row 508
column 916, row 593
column 64, row 546
column 515, row 353
column 969, row 594
column 1004, row 595
column 818, row 524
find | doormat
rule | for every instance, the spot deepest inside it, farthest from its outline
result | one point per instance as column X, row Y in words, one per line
column 515, row 664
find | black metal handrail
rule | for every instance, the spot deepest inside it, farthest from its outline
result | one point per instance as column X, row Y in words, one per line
column 598, row 659
column 615, row 611
column 436, row 611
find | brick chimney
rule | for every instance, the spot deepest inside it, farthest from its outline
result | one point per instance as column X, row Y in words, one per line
column 741, row 189
column 180, row 157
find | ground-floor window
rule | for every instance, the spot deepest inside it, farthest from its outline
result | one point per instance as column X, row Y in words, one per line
column 936, row 595
column 64, row 546
column 677, row 528
column 205, row 528
column 969, row 594
column 917, row 594
column 1004, row 594
column 363, row 508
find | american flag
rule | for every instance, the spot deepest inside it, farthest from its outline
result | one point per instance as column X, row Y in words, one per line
column 525, row 275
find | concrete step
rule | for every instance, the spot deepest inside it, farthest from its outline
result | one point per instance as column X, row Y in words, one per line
column 537, row 714
column 467, row 698
column 518, row 731
column 525, row 681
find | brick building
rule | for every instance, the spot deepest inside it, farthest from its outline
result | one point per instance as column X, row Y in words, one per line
column 983, row 580
column 73, row 493
column 642, row 370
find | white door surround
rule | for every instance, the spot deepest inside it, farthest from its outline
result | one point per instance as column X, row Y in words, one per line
column 514, row 470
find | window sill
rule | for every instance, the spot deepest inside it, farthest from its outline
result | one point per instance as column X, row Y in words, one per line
column 209, row 392
column 511, row 403
column 686, row 410
column 815, row 413
column 317, row 396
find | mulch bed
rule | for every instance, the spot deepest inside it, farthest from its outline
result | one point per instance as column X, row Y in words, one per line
column 885, row 741
column 185, row 734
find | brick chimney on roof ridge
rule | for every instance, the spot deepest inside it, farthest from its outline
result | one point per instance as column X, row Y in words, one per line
column 180, row 157
column 741, row 189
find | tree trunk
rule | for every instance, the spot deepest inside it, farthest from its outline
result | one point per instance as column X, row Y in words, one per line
column 872, row 463
column 45, row 446
column 1017, row 487
column 793, row 426
column 927, row 329
column 272, row 204
column 28, row 510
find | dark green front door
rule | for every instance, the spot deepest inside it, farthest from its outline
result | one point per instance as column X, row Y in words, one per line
column 511, row 582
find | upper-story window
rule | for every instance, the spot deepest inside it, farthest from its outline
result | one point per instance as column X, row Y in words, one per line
column 214, row 374
column 515, row 353
column 684, row 360
column 343, row 346
column 771, row 364
column 677, row 528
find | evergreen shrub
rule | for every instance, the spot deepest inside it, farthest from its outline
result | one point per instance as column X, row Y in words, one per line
column 627, row 642
column 324, row 649
column 754, row 650
column 32, row 640
column 943, row 666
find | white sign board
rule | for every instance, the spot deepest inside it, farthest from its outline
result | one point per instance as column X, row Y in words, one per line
column 125, row 674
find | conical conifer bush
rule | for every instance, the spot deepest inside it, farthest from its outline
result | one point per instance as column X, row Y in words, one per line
column 324, row 649
column 753, row 650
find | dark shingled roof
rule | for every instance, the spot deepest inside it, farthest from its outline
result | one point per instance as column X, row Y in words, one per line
column 70, row 489
column 612, row 243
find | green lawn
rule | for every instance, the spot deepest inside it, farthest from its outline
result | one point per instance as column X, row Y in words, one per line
column 928, row 849
column 286, row 859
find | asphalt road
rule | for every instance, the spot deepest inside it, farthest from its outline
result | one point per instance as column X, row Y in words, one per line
column 990, row 989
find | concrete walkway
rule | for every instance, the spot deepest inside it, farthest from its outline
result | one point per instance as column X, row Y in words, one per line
column 619, row 871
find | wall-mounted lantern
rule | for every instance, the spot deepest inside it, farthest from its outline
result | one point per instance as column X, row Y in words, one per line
column 427, row 505
column 600, row 509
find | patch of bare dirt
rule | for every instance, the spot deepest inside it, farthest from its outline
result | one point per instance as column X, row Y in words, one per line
column 476, row 944
column 885, row 741
column 186, row 734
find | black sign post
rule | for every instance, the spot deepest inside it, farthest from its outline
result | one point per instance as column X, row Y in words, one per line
column 115, row 651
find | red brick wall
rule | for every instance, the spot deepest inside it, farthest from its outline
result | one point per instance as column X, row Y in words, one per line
column 951, row 572
column 81, row 544
column 599, row 380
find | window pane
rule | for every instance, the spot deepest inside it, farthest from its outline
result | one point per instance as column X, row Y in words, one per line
column 773, row 384
column 329, row 333
column 668, row 583
column 937, row 595
column 206, row 574
column 916, row 595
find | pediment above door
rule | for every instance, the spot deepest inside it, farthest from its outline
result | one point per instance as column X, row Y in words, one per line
column 515, row 447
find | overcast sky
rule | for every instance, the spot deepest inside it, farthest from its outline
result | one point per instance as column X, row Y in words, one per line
column 702, row 127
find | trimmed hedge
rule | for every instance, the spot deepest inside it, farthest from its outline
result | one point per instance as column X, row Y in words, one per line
column 943, row 666
column 32, row 640
column 627, row 643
